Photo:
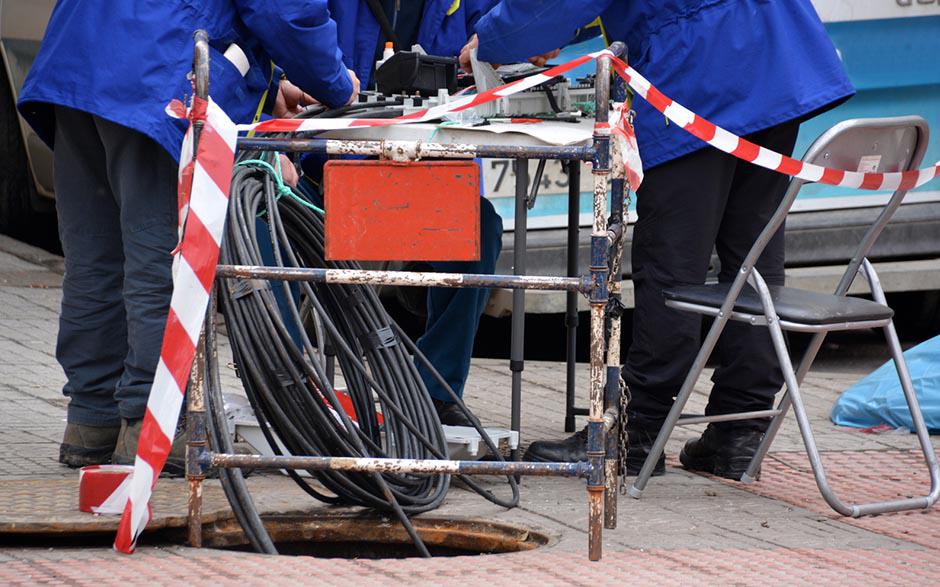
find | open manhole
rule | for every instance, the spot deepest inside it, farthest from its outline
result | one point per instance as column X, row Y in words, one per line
column 371, row 537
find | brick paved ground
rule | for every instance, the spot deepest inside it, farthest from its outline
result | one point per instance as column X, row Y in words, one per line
column 686, row 528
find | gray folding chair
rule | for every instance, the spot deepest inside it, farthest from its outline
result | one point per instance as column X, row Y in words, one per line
column 901, row 143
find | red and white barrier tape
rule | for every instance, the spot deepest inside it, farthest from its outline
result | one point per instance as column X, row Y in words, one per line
column 699, row 127
column 732, row 144
column 203, row 192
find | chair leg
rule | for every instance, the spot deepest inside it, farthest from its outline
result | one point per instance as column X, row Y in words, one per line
column 691, row 378
column 904, row 375
column 783, row 405
column 809, row 440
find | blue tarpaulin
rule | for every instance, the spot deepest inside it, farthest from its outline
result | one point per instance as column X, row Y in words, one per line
column 878, row 400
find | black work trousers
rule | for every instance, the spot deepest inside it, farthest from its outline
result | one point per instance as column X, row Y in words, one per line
column 686, row 208
column 116, row 202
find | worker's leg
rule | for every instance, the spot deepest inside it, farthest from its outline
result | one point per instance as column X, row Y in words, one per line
column 143, row 177
column 454, row 314
column 748, row 374
column 92, row 336
column 679, row 208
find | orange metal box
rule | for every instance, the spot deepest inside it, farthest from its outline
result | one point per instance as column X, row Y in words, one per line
column 389, row 211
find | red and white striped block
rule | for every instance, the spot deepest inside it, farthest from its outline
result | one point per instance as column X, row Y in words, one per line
column 732, row 144
column 203, row 198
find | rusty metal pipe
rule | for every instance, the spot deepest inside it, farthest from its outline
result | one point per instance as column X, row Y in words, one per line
column 397, row 466
column 598, row 299
column 196, row 443
column 405, row 278
column 616, row 232
column 412, row 150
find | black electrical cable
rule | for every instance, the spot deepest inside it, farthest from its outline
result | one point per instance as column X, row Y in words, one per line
column 288, row 386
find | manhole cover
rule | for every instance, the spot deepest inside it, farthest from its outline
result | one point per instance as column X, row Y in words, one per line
column 45, row 512
column 372, row 537
column 50, row 506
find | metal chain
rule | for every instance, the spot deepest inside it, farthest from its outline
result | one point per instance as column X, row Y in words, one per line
column 622, row 436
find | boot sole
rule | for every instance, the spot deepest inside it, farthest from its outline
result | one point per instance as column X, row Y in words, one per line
column 732, row 468
column 75, row 457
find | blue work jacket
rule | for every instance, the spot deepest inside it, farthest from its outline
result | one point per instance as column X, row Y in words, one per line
column 125, row 60
column 746, row 65
column 445, row 28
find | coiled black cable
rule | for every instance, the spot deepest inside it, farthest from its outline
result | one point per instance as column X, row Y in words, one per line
column 288, row 384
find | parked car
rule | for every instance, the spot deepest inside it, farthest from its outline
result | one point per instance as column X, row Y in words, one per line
column 26, row 195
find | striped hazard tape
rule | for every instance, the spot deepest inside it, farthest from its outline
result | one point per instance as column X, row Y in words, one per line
column 203, row 196
column 732, row 144
column 711, row 133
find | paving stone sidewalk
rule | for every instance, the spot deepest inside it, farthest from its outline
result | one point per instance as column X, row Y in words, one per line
column 687, row 528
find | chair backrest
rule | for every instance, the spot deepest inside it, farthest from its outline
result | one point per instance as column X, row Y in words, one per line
column 862, row 144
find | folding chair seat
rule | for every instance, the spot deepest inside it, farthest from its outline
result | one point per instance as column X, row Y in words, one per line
column 897, row 144
column 797, row 309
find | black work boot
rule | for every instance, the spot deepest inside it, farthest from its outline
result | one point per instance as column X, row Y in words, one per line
column 574, row 448
column 639, row 444
column 724, row 452
column 126, row 449
column 84, row 445
column 450, row 414
column 569, row 450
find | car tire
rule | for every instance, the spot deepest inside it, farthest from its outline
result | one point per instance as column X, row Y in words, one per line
column 18, row 216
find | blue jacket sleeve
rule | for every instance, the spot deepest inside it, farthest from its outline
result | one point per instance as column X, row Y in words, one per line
column 476, row 9
column 301, row 38
column 515, row 30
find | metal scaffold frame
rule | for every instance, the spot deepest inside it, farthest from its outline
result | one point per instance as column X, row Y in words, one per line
column 599, row 285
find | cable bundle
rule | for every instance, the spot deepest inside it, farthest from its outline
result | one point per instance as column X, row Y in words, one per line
column 280, row 355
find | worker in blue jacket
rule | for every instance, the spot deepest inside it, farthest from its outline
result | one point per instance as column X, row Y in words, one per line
column 755, row 67
column 97, row 93
column 442, row 28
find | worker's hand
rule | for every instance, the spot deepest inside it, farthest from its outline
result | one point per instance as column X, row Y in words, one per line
column 355, row 82
column 290, row 100
column 288, row 171
column 473, row 43
column 540, row 60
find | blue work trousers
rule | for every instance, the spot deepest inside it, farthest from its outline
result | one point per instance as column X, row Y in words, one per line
column 454, row 314
column 116, row 203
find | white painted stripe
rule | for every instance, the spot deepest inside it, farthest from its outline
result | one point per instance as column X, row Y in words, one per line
column 852, row 179
column 222, row 124
column 640, row 84
column 186, row 154
column 925, row 175
column 140, row 496
column 724, row 140
column 679, row 114
column 189, row 300
column 168, row 400
column 524, row 84
column 767, row 158
column 890, row 181
column 208, row 203
column 115, row 502
column 811, row 172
